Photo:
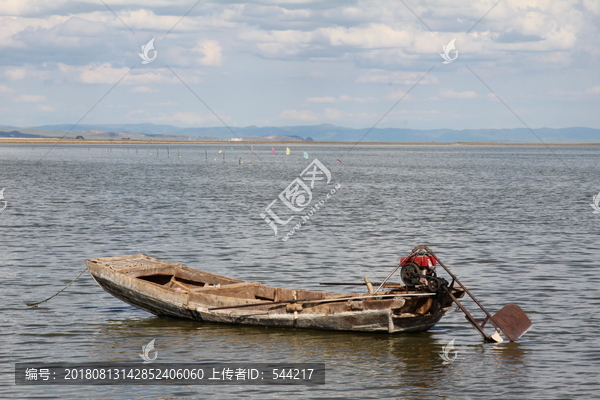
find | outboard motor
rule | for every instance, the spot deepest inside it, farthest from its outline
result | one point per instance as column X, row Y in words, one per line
column 418, row 269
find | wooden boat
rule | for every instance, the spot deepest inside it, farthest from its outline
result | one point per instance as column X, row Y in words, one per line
column 171, row 289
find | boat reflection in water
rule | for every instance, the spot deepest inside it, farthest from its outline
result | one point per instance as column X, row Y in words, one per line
column 408, row 365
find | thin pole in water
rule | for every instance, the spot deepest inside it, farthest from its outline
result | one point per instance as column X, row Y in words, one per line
column 206, row 154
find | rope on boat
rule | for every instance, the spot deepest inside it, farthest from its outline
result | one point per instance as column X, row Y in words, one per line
column 59, row 292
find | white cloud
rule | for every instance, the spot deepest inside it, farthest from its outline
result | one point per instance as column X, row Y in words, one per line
column 370, row 36
column 134, row 113
column 342, row 98
column 592, row 5
column 15, row 74
column 146, row 19
column 211, row 51
column 593, row 90
column 341, row 42
column 321, row 100
column 274, row 50
column 334, row 114
column 449, row 93
column 30, row 98
column 44, row 108
column 15, row 7
column 328, row 114
column 351, row 99
column 12, row 26
column 396, row 95
column 4, row 90
column 143, row 89
column 367, row 37
column 92, row 73
column 105, row 73
column 316, row 50
column 383, row 33
column 398, row 77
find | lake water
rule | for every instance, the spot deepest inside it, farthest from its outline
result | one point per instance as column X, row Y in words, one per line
column 512, row 222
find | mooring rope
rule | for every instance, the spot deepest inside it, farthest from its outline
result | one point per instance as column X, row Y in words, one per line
column 59, row 292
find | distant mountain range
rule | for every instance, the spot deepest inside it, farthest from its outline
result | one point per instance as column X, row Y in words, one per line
column 317, row 133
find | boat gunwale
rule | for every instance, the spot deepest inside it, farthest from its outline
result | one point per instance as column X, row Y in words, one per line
column 234, row 283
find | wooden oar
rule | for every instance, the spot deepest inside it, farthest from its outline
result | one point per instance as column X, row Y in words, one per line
column 392, row 285
column 325, row 300
column 267, row 303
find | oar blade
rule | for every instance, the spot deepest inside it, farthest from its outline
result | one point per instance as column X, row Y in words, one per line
column 512, row 321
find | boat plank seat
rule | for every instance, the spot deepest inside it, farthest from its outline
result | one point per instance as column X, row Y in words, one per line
column 229, row 293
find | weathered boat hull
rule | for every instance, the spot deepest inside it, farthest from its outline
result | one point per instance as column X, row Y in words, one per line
column 174, row 290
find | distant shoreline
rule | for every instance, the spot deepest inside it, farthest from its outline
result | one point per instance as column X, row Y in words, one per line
column 5, row 140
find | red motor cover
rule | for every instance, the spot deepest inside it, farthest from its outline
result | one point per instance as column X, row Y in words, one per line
column 421, row 261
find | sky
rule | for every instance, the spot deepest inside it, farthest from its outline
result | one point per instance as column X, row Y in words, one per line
column 525, row 63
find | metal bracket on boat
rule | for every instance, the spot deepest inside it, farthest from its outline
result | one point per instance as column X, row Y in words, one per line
column 511, row 320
